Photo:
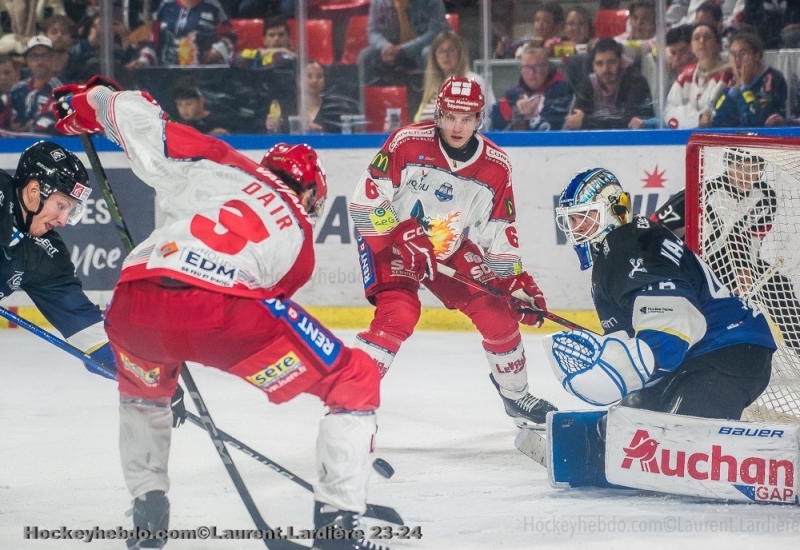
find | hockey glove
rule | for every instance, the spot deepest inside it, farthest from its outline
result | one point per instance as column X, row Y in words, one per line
column 74, row 115
column 178, row 407
column 415, row 249
column 524, row 288
column 599, row 369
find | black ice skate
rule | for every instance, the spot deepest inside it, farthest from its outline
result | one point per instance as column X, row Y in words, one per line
column 328, row 519
column 528, row 411
column 151, row 514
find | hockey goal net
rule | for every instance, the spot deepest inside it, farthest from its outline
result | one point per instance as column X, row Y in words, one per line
column 743, row 219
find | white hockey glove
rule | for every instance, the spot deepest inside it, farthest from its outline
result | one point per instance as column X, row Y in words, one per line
column 599, row 369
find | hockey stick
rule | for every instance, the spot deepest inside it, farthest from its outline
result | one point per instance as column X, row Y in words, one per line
column 520, row 305
column 376, row 511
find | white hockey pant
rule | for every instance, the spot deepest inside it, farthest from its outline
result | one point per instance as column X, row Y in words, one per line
column 145, row 431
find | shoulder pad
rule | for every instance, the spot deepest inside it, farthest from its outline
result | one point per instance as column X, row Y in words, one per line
column 423, row 131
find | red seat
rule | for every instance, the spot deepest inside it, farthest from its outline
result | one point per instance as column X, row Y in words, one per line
column 455, row 21
column 319, row 37
column 355, row 39
column 610, row 23
column 249, row 33
column 379, row 98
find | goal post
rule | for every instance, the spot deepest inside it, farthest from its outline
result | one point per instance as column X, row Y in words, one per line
column 743, row 220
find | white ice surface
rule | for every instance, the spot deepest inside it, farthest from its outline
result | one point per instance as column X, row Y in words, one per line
column 442, row 427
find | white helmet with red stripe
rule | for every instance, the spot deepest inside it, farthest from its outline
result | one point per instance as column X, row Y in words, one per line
column 460, row 94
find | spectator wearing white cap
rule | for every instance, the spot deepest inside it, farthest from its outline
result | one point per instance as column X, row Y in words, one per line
column 31, row 98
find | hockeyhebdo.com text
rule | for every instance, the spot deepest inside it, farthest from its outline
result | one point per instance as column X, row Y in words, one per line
column 594, row 524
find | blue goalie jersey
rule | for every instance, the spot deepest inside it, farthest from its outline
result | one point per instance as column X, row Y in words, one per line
column 647, row 283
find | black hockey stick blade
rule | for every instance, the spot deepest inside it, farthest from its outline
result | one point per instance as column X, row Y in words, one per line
column 375, row 511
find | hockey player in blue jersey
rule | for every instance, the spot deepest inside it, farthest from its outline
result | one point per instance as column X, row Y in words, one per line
column 676, row 340
column 49, row 190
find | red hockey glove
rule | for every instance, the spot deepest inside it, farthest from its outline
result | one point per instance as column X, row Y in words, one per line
column 524, row 288
column 415, row 248
column 74, row 115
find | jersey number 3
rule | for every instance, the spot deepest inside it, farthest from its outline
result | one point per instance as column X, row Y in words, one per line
column 241, row 224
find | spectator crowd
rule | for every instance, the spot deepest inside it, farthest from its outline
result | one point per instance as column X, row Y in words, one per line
column 573, row 73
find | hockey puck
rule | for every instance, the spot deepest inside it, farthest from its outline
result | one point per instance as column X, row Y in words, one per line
column 383, row 467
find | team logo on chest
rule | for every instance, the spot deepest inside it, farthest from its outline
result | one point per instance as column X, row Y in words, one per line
column 445, row 192
column 637, row 267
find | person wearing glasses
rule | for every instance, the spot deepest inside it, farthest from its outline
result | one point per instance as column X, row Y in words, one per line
column 756, row 96
column 613, row 95
column 31, row 98
column 448, row 57
column 541, row 101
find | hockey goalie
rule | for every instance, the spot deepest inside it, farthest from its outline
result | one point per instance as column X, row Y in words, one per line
column 681, row 359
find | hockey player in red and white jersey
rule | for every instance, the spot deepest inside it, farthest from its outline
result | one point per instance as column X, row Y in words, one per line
column 213, row 285
column 428, row 185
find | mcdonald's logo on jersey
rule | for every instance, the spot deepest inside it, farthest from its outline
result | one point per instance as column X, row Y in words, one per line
column 380, row 162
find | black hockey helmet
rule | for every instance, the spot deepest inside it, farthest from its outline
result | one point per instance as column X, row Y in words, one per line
column 56, row 169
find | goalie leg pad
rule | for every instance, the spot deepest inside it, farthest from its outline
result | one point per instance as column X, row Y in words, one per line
column 145, row 432
column 575, row 454
column 724, row 459
column 344, row 459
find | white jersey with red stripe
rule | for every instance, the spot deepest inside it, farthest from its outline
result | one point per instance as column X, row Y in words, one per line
column 231, row 225
column 413, row 177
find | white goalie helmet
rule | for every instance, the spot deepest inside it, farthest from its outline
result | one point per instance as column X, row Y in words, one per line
column 590, row 207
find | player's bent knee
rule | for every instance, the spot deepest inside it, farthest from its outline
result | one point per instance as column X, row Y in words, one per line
column 492, row 318
column 397, row 313
column 357, row 386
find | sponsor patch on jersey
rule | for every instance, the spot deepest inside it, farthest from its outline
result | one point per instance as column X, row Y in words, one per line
column 319, row 339
column 58, row 155
column 168, row 249
column 381, row 162
column 278, row 374
column 48, row 247
column 383, row 220
column 208, row 267
column 510, row 210
column 149, row 377
column 655, row 310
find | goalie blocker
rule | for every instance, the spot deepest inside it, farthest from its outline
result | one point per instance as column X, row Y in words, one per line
column 708, row 458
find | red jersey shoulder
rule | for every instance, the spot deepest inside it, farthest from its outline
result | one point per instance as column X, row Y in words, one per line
column 421, row 132
column 494, row 156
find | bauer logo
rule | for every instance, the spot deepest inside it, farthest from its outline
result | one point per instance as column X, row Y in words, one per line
column 758, row 478
column 278, row 374
column 58, row 155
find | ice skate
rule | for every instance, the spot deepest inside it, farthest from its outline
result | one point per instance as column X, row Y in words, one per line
column 151, row 514
column 329, row 518
column 528, row 411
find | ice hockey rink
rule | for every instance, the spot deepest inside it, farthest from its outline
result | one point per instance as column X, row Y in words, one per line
column 441, row 426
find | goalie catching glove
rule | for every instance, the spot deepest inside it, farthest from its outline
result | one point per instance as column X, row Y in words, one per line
column 525, row 289
column 599, row 369
column 415, row 249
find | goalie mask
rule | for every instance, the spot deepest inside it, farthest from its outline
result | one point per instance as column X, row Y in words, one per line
column 56, row 169
column 300, row 168
column 590, row 207
column 460, row 94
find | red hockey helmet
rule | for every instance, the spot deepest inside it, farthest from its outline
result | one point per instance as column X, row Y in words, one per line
column 300, row 168
column 460, row 94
